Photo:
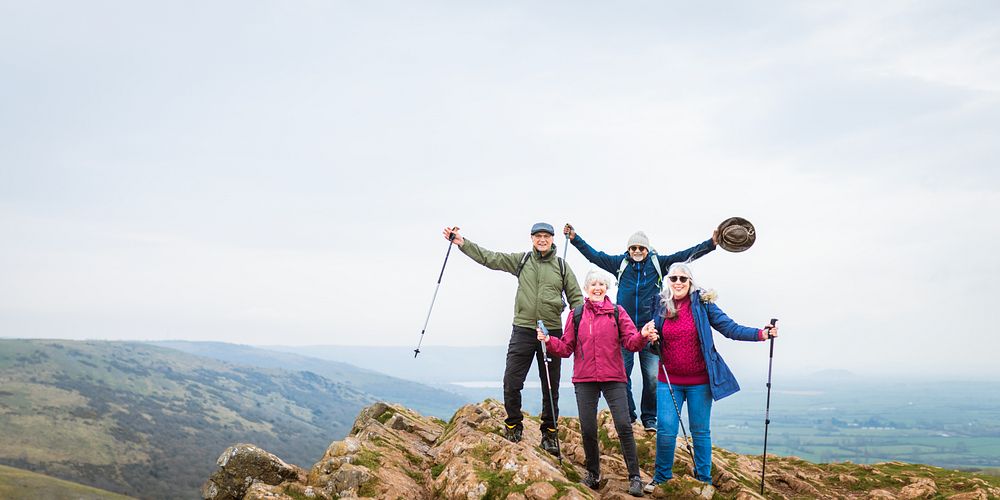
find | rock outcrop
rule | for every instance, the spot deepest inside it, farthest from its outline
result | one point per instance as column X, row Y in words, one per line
column 392, row 452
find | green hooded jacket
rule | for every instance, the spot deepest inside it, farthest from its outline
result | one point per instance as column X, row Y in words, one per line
column 539, row 287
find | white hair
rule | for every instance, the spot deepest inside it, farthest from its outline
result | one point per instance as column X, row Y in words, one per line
column 598, row 276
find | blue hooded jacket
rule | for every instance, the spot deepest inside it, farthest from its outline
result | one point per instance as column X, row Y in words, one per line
column 638, row 288
column 707, row 315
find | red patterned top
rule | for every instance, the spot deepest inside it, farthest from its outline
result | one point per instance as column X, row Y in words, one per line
column 681, row 349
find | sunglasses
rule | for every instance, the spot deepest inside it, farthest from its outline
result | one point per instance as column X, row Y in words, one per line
column 636, row 248
column 674, row 279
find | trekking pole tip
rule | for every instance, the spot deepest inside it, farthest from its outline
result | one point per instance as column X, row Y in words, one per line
column 415, row 352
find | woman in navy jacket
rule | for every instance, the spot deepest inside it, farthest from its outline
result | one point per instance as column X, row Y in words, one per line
column 697, row 372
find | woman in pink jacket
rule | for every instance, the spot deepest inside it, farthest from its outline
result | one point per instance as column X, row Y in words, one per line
column 595, row 340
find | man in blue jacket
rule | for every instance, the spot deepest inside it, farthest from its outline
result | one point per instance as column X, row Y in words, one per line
column 639, row 274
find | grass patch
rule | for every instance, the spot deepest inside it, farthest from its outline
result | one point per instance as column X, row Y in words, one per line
column 368, row 458
column 481, row 452
column 416, row 476
column 413, row 459
column 646, row 452
column 570, row 472
column 295, row 495
column 607, row 443
column 562, row 488
column 436, row 470
column 385, row 416
column 498, row 484
column 369, row 488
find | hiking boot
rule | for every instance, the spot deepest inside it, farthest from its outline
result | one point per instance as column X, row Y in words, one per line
column 591, row 481
column 649, row 427
column 635, row 486
column 550, row 441
column 513, row 433
column 650, row 486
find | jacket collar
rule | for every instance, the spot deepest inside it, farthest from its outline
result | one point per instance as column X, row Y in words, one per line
column 546, row 255
column 603, row 307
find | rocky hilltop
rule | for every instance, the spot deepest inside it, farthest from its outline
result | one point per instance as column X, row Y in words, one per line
column 393, row 452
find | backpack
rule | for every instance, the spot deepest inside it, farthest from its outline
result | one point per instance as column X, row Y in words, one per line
column 652, row 258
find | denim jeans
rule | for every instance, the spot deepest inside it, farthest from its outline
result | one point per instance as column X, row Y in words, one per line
column 648, row 364
column 699, row 406
column 587, row 395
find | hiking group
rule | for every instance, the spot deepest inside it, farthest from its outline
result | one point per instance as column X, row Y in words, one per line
column 677, row 355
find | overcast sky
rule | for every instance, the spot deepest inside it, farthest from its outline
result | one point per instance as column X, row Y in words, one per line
column 279, row 172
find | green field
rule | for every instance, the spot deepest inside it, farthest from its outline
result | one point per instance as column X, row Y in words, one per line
column 18, row 484
column 955, row 425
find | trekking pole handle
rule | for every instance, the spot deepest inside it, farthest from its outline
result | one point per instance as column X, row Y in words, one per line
column 768, row 328
column 541, row 326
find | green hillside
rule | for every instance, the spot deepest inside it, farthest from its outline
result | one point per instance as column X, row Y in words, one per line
column 17, row 484
column 149, row 421
column 422, row 398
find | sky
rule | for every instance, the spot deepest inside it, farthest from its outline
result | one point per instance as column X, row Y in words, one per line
column 279, row 173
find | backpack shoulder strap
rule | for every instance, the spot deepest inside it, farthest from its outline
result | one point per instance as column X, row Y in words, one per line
column 656, row 265
column 577, row 317
column 617, row 326
column 621, row 269
column 524, row 260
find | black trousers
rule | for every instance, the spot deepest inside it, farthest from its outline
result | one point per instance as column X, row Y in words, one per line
column 524, row 347
column 587, row 395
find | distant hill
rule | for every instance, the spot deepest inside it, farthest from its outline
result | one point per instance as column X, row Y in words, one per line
column 18, row 484
column 436, row 364
column 420, row 397
column 149, row 421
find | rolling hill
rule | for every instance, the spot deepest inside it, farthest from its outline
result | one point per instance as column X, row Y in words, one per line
column 420, row 397
column 149, row 421
column 18, row 484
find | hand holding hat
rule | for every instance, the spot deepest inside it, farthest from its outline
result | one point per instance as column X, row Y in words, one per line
column 735, row 234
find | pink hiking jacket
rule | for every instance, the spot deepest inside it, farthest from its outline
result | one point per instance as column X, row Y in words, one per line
column 596, row 348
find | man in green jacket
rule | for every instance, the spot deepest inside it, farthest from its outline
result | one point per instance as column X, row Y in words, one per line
column 542, row 278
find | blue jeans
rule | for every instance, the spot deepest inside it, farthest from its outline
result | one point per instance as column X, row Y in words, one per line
column 699, row 405
column 648, row 363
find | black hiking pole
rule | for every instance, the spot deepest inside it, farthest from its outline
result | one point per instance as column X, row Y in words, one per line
column 451, row 242
column 548, row 380
column 687, row 443
column 767, row 409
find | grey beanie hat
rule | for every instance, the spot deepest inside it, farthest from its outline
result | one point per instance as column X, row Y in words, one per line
column 639, row 238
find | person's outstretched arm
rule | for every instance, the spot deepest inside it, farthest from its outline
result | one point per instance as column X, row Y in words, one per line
column 732, row 329
column 561, row 347
column 494, row 260
column 604, row 261
column 689, row 254
column 631, row 338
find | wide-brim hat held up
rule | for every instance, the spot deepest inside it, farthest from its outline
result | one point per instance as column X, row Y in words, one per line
column 736, row 234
